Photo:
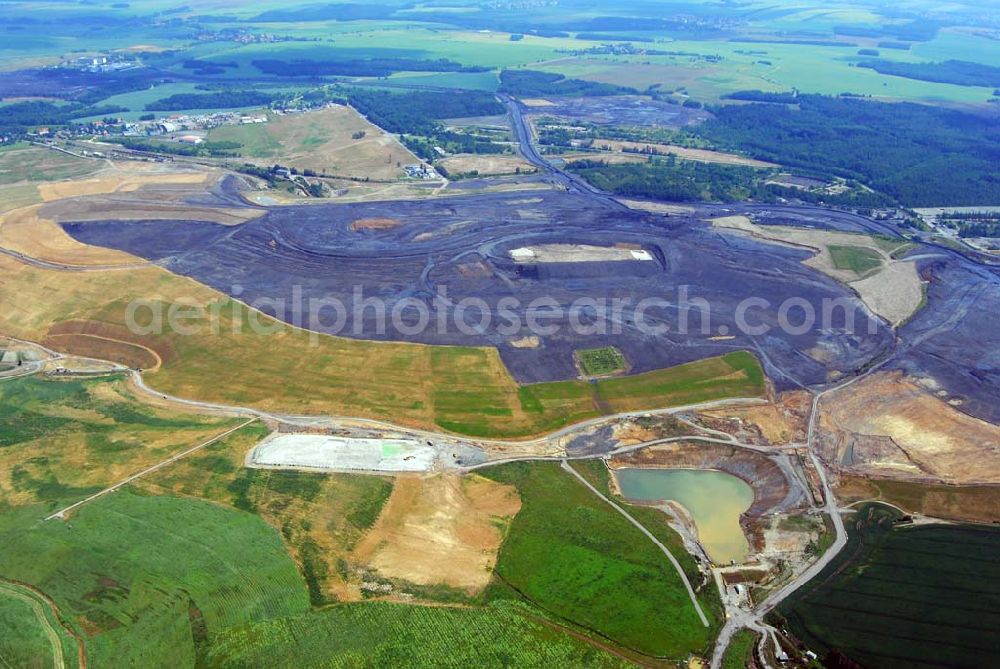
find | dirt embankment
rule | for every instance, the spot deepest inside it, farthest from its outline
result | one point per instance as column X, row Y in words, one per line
column 890, row 426
column 977, row 504
column 771, row 487
column 783, row 421
column 106, row 341
column 440, row 529
column 892, row 289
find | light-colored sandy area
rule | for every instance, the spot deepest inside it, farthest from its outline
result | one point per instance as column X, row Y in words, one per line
column 894, row 291
column 440, row 529
column 780, row 422
column 531, row 341
column 24, row 231
column 700, row 155
column 317, row 451
column 485, row 165
column 374, row 224
column 328, row 140
column 124, row 179
column 889, row 425
column 537, row 102
column 657, row 207
column 564, row 253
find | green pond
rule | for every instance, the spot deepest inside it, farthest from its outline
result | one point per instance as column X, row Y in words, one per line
column 714, row 499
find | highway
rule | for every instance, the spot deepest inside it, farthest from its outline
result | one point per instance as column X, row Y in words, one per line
column 526, row 147
column 738, row 618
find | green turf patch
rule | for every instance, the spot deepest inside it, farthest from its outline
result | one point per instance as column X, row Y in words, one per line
column 740, row 650
column 601, row 361
column 857, row 259
column 575, row 557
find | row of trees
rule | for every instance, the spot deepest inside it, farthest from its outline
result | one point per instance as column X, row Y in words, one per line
column 529, row 83
column 358, row 67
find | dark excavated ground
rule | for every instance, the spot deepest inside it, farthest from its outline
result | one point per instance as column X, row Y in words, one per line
column 460, row 245
column 627, row 110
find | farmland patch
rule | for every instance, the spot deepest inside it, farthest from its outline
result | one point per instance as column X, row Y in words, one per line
column 572, row 555
column 899, row 596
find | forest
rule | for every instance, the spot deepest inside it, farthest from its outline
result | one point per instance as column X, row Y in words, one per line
column 17, row 117
column 218, row 100
column 917, row 154
column 960, row 72
column 417, row 113
column 528, row 83
column 670, row 179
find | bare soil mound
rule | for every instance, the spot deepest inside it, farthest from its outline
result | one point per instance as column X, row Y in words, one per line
column 374, row 224
column 888, row 425
column 441, row 529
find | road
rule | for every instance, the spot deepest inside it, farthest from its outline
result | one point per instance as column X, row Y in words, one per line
column 63, row 513
column 659, row 544
column 526, row 147
column 755, row 619
column 738, row 619
column 18, row 593
column 62, row 267
column 301, row 420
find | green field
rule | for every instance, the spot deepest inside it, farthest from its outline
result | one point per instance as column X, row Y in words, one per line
column 61, row 440
column 165, row 581
column 572, row 555
column 38, row 164
column 32, row 635
column 601, row 361
column 383, row 634
column 149, row 579
column 740, row 650
column 908, row 596
column 857, row 259
column 559, row 403
column 321, row 516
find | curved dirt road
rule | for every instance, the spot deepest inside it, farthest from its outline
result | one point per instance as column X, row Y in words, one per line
column 14, row 592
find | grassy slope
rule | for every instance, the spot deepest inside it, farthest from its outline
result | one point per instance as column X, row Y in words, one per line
column 322, row 141
column 24, row 642
column 459, row 388
column 37, row 164
column 907, row 597
column 857, row 259
column 386, row 634
column 144, row 577
column 320, row 517
column 656, row 522
column 740, row 649
column 575, row 557
column 160, row 581
column 63, row 439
